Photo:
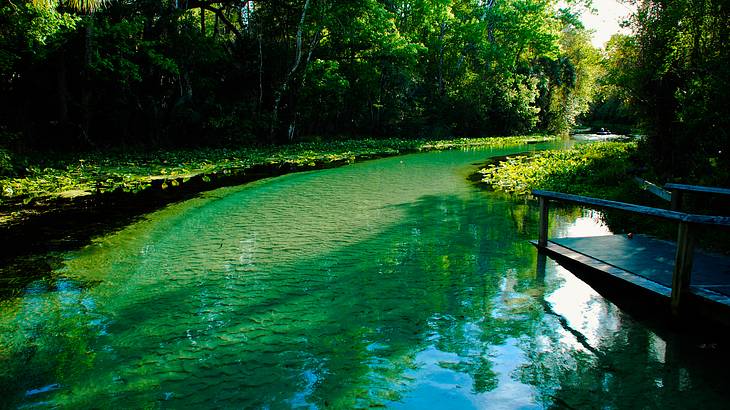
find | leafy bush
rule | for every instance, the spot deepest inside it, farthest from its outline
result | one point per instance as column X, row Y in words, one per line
column 6, row 163
column 597, row 169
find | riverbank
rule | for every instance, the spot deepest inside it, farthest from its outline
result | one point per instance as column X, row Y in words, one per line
column 60, row 204
column 45, row 183
column 597, row 169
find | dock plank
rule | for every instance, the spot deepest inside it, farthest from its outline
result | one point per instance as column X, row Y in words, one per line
column 616, row 272
column 653, row 259
column 645, row 265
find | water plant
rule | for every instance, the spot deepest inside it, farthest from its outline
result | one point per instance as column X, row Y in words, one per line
column 71, row 175
column 598, row 169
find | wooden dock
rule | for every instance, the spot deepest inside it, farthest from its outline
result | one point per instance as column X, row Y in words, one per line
column 674, row 274
column 647, row 265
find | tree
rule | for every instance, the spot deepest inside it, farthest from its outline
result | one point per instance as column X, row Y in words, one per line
column 574, row 77
column 187, row 72
column 613, row 101
column 86, row 6
column 678, row 83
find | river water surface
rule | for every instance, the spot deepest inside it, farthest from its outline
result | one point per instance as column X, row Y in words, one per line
column 390, row 283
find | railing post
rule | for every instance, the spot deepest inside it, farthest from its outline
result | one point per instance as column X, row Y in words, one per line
column 682, row 266
column 676, row 200
column 544, row 211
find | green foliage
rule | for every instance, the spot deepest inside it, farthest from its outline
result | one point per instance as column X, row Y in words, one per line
column 674, row 70
column 133, row 172
column 170, row 74
column 6, row 163
column 114, row 59
column 612, row 102
column 80, row 5
column 29, row 33
column 597, row 169
column 573, row 81
column 46, row 24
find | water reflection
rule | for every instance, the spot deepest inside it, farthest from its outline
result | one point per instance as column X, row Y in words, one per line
column 312, row 291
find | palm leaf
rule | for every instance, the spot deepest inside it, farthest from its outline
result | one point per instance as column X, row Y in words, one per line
column 86, row 6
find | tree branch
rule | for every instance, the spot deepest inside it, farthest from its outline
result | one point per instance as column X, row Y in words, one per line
column 219, row 13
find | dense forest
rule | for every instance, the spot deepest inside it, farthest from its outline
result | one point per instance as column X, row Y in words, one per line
column 183, row 72
column 671, row 76
column 172, row 73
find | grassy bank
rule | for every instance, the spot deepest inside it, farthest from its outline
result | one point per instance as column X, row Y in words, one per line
column 599, row 170
column 58, row 203
column 41, row 179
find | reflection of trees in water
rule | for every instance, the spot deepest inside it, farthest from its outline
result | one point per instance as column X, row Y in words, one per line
column 630, row 368
column 344, row 329
column 628, row 365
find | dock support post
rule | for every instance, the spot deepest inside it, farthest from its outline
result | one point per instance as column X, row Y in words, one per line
column 541, row 265
column 544, row 211
column 682, row 266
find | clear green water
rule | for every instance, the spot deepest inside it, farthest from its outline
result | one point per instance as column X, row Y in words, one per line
column 391, row 283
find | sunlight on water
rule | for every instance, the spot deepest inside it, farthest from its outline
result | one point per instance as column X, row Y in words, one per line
column 574, row 298
column 577, row 223
column 589, row 224
column 391, row 283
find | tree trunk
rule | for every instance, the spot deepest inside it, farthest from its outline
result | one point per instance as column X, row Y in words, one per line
column 261, row 70
column 442, row 48
column 86, row 90
column 490, row 25
column 292, row 125
column 215, row 26
column 202, row 21
column 285, row 85
column 206, row 6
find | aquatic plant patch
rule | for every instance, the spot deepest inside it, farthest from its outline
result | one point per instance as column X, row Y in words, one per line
column 597, row 169
column 77, row 175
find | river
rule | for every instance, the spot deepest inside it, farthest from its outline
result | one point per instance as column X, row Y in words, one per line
column 389, row 283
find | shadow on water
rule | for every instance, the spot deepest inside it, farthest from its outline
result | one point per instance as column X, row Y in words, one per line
column 444, row 307
column 31, row 246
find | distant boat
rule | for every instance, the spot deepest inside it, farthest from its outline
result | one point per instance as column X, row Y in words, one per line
column 603, row 131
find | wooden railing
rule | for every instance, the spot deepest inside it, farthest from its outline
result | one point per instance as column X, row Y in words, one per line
column 659, row 192
column 680, row 190
column 685, row 238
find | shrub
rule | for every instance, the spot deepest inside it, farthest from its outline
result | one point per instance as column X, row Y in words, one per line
column 6, row 163
column 597, row 169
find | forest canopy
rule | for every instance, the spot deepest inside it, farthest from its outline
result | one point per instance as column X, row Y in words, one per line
column 92, row 74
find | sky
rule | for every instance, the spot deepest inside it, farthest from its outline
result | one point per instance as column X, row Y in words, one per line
column 606, row 21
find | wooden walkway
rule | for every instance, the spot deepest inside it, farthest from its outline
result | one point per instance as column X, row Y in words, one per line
column 675, row 274
column 646, row 263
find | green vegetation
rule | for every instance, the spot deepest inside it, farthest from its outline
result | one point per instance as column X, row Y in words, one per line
column 598, row 170
column 173, row 74
column 6, row 163
column 209, row 87
column 671, row 76
column 90, row 173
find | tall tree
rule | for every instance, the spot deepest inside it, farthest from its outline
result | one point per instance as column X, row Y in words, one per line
column 227, row 71
column 680, row 76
